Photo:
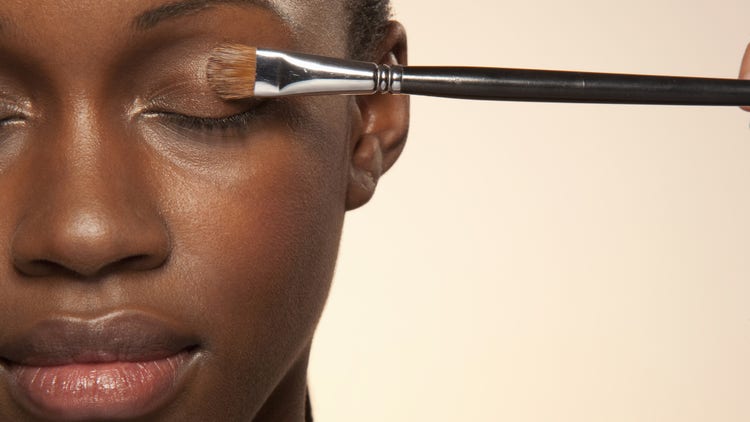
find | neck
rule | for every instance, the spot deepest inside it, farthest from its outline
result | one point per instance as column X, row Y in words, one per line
column 287, row 402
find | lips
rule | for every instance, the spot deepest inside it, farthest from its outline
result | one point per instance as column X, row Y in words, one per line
column 123, row 365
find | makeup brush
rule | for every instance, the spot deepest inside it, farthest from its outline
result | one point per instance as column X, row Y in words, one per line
column 238, row 72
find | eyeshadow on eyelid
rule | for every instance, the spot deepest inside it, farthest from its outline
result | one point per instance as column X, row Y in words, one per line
column 180, row 89
column 13, row 104
column 188, row 103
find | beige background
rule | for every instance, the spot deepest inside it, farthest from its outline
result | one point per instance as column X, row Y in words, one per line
column 552, row 262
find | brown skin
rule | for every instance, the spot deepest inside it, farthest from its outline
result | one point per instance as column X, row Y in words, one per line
column 109, row 204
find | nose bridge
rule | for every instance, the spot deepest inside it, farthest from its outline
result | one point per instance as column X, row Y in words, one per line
column 92, row 209
column 86, row 156
column 92, row 146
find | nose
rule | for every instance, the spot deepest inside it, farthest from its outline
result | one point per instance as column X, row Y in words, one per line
column 87, row 242
column 91, row 211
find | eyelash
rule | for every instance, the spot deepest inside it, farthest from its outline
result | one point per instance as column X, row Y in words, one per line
column 10, row 114
column 9, row 120
column 221, row 125
column 211, row 125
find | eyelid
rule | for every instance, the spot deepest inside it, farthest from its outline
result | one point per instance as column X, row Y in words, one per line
column 190, row 101
column 187, row 95
column 15, row 104
column 233, row 110
column 199, row 119
column 12, row 111
column 232, row 126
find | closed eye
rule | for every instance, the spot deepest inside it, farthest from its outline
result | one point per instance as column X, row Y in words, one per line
column 226, row 126
column 12, row 113
column 209, row 124
column 9, row 120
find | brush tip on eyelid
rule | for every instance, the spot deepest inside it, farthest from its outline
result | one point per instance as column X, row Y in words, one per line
column 231, row 71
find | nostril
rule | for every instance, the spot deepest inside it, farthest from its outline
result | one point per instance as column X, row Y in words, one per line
column 131, row 260
column 133, row 263
column 43, row 267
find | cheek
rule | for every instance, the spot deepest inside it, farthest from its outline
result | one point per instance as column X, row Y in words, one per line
column 266, row 245
column 255, row 240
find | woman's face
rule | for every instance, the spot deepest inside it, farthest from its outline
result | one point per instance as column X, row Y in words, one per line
column 157, row 259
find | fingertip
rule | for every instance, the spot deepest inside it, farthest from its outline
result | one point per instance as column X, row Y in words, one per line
column 745, row 70
column 745, row 65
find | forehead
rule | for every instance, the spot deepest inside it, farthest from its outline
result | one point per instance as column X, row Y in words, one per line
column 314, row 25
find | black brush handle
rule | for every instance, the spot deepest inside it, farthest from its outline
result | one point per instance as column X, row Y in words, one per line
column 572, row 87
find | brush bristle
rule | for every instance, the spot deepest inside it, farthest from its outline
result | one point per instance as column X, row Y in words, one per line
column 231, row 71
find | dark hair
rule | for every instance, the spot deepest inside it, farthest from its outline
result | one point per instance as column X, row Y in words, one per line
column 367, row 25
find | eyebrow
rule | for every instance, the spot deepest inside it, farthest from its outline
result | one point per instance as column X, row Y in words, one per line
column 157, row 15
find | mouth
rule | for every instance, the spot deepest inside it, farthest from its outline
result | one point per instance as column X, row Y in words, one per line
column 120, row 366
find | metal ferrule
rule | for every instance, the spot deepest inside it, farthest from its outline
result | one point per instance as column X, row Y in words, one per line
column 280, row 74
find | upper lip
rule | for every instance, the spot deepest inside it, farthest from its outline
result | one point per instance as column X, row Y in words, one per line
column 120, row 336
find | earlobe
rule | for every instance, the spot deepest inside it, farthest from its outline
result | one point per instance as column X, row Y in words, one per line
column 365, row 171
column 385, row 125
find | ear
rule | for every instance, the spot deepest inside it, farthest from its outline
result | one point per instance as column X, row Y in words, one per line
column 380, row 138
column 745, row 70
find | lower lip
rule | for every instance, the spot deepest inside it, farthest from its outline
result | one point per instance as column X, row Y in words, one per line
column 100, row 390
